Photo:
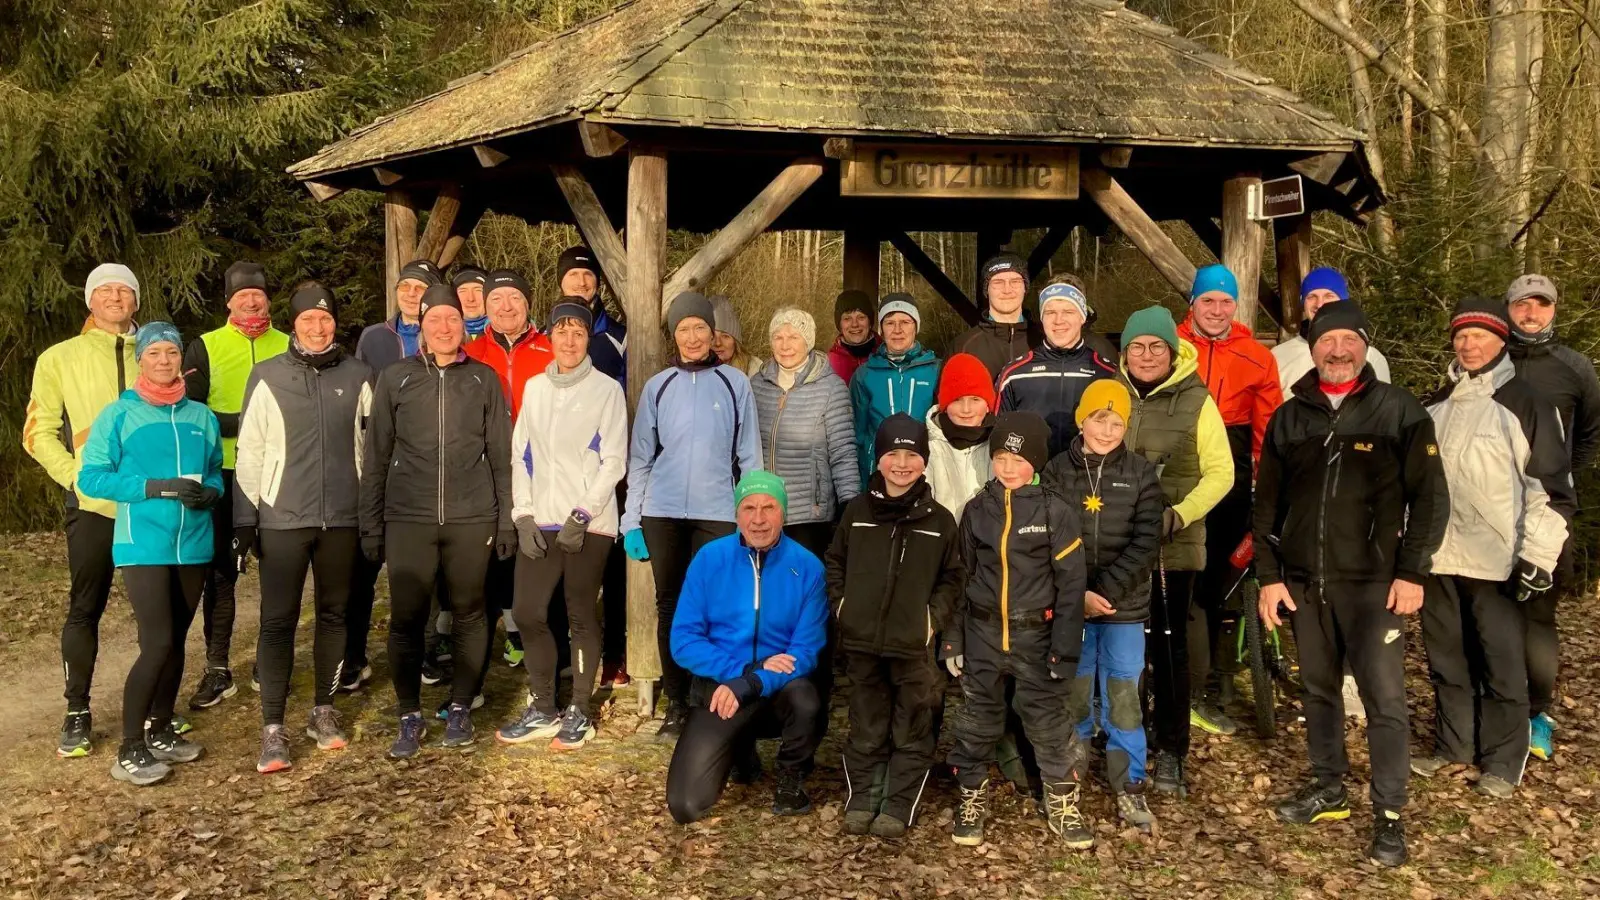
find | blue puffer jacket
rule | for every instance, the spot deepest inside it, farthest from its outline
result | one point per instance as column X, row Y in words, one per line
column 740, row 606
column 883, row 387
column 696, row 430
column 132, row 442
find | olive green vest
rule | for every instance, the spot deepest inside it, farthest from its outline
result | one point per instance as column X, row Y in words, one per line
column 232, row 356
column 1162, row 428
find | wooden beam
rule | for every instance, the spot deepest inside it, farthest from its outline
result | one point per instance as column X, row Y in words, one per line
column 595, row 224
column 599, row 140
column 386, row 177
column 1039, row 258
column 460, row 230
column 1293, row 249
column 489, row 157
column 646, row 261
column 1243, row 240
column 1124, row 212
column 750, row 222
column 1320, row 168
column 861, row 260
column 839, row 148
column 440, row 220
column 399, row 240
column 1116, row 157
column 935, row 277
column 322, row 192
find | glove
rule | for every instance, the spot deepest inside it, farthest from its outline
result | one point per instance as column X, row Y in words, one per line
column 1531, row 580
column 531, row 539
column 505, row 544
column 372, row 549
column 166, row 488
column 954, row 665
column 245, row 540
column 1060, row 668
column 198, row 496
column 572, row 531
column 1171, row 524
column 633, row 545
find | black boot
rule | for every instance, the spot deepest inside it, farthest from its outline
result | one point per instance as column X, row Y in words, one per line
column 790, row 797
column 1388, row 839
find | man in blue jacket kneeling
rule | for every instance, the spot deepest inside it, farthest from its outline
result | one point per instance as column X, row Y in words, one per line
column 751, row 618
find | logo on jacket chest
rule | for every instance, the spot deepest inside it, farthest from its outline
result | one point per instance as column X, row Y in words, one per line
column 1033, row 529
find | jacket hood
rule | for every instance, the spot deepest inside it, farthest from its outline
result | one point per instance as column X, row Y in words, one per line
column 1187, row 363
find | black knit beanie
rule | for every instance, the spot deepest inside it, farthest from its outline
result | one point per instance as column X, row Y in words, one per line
column 900, row 432
column 422, row 270
column 500, row 278
column 579, row 257
column 1344, row 315
column 309, row 296
column 465, row 274
column 1023, row 433
column 854, row 301
column 438, row 295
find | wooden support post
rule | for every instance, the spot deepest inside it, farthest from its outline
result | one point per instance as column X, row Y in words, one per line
column 861, row 260
column 472, row 210
column 646, row 261
column 935, row 276
column 1039, row 258
column 596, row 225
column 399, row 240
column 443, row 218
column 1243, row 240
column 1293, row 240
column 750, row 222
column 1124, row 212
column 990, row 242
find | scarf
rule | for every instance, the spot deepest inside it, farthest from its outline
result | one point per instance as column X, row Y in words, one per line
column 1337, row 390
column 332, row 354
column 699, row 365
column 1544, row 336
column 251, row 327
column 477, row 325
column 861, row 350
column 567, row 379
column 410, row 335
column 962, row 437
column 159, row 394
column 894, row 509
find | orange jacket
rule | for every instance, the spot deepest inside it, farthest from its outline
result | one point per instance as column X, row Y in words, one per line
column 527, row 358
column 1242, row 377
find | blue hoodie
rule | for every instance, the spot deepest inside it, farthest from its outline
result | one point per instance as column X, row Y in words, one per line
column 883, row 387
column 740, row 606
column 696, row 429
column 133, row 441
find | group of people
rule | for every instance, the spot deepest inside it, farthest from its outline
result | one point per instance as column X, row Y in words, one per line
column 1042, row 517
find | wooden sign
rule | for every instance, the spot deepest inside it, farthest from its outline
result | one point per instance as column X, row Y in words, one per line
column 960, row 171
column 1282, row 197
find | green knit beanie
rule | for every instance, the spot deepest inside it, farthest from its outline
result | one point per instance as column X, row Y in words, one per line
column 1152, row 320
column 760, row 481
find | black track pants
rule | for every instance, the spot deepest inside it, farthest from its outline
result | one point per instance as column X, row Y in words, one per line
column 614, row 598
column 891, row 724
column 330, row 554
column 89, row 538
column 1543, row 646
column 163, row 600
column 1475, row 632
column 816, row 536
column 672, row 543
column 417, row 554
column 217, row 600
column 1039, row 700
column 1167, row 648
column 579, row 575
column 706, row 749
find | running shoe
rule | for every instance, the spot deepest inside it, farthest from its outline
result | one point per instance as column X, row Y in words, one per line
column 409, row 742
column 1388, row 846
column 534, row 724
column 323, row 727
column 443, row 712
column 1315, row 803
column 458, row 727
column 513, row 654
column 75, row 735
column 274, row 750
column 1541, row 740
column 672, row 724
column 354, row 678
column 576, row 730
column 789, row 798
column 216, row 685
column 139, row 767
column 171, row 747
column 1210, row 718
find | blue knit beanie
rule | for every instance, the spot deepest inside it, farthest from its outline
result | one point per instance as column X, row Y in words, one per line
column 152, row 333
column 1324, row 278
column 1215, row 277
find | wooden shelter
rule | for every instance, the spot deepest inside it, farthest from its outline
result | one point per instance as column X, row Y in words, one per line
column 872, row 117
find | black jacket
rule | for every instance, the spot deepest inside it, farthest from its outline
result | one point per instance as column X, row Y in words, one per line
column 1023, row 552
column 1567, row 379
column 998, row 344
column 1050, row 382
column 1120, row 502
column 1353, row 494
column 894, row 572
column 439, row 447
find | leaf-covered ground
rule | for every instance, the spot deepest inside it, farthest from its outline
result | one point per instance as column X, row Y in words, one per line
column 497, row 822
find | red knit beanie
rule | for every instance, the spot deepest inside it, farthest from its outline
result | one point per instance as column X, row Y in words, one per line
column 965, row 375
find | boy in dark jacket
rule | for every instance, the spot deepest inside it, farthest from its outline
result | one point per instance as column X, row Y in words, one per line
column 1021, row 615
column 894, row 573
column 1120, row 495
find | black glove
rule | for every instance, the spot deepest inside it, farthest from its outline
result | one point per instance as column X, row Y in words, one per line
column 198, row 496
column 245, row 541
column 505, row 544
column 166, row 488
column 1061, row 669
column 1171, row 524
column 372, row 549
column 747, row 687
column 570, row 538
column 531, row 539
column 1531, row 580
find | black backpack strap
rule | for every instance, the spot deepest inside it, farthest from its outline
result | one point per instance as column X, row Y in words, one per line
column 734, row 400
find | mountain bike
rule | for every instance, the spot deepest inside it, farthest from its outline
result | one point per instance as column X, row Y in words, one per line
column 1269, row 655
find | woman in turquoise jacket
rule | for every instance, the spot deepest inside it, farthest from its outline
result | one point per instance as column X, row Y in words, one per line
column 158, row 455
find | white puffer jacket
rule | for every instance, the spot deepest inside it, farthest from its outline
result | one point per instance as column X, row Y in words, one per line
column 956, row 476
column 1503, row 455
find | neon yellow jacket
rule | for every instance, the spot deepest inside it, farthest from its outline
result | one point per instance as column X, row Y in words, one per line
column 72, row 382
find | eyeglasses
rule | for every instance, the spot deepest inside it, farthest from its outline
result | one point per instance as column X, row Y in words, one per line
column 1159, row 348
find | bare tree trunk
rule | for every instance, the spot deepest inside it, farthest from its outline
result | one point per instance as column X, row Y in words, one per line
column 1367, row 121
column 1505, row 129
column 1440, row 134
column 1407, row 115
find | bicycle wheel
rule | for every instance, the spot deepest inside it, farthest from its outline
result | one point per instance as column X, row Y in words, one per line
column 1261, row 681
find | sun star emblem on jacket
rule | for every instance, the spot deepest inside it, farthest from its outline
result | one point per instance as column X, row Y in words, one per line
column 1092, row 503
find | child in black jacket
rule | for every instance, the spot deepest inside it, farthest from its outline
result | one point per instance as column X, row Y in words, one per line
column 1119, row 495
column 1021, row 615
column 894, row 573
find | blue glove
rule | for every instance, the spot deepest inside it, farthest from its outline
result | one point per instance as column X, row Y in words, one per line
column 633, row 545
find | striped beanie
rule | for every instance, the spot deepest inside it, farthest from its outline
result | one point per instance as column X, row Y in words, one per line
column 1478, row 311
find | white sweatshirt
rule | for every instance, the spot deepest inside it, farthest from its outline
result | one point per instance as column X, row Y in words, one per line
column 568, row 451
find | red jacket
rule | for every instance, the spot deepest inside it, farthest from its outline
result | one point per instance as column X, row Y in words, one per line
column 527, row 358
column 846, row 360
column 1242, row 376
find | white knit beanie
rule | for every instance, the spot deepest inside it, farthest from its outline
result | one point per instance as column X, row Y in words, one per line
column 110, row 273
column 799, row 320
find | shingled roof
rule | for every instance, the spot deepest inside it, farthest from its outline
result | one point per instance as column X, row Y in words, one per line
column 1028, row 70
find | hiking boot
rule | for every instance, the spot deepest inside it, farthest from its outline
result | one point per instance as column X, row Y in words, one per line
column 513, row 654
column 747, row 766
column 323, row 727
column 274, row 750
column 354, row 678
column 534, row 724
column 672, row 725
column 75, row 735
column 1541, row 743
column 255, row 677
column 1314, row 803
column 576, row 730
column 432, row 672
column 1167, row 774
column 789, row 798
column 1494, row 786
column 137, row 766
column 1388, row 846
column 614, row 674
column 1428, row 766
column 409, row 742
column 443, row 711
column 1210, row 718
column 1064, row 817
column 170, row 747
column 458, row 727
column 1132, row 808
column 859, row 821
column 974, row 809
column 887, row 826
column 216, row 685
